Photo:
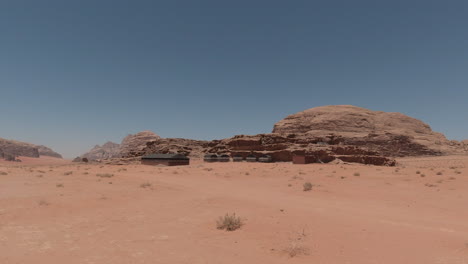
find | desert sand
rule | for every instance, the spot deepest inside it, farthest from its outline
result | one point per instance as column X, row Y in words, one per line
column 92, row 213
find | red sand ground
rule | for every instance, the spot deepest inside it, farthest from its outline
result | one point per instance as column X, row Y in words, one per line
column 384, row 215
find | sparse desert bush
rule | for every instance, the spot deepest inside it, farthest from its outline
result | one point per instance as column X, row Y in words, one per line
column 58, row 185
column 40, row 171
column 418, row 172
column 229, row 222
column 43, row 202
column 357, row 174
column 423, row 175
column 439, row 173
column 307, row 186
column 122, row 169
column 145, row 185
column 85, row 173
column 105, row 175
column 3, row 173
column 68, row 173
column 458, row 172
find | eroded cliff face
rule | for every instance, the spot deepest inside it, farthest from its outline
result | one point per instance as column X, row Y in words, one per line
column 46, row 151
column 13, row 148
column 328, row 133
column 133, row 145
column 391, row 134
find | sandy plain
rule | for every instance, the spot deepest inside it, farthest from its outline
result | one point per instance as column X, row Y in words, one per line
column 59, row 212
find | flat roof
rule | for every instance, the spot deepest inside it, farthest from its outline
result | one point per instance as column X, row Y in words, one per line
column 165, row 156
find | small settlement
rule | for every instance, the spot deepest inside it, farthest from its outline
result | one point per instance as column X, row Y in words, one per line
column 165, row 159
column 180, row 160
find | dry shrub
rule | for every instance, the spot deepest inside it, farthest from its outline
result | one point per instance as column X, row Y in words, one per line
column 307, row 186
column 59, row 185
column 439, row 173
column 68, row 173
column 418, row 172
column 105, row 175
column 43, row 203
column 357, row 174
column 145, row 185
column 3, row 173
column 229, row 222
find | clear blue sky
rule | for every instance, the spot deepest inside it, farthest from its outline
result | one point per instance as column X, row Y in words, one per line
column 78, row 73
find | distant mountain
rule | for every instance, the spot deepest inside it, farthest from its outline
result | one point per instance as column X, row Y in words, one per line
column 12, row 148
column 107, row 151
column 131, row 145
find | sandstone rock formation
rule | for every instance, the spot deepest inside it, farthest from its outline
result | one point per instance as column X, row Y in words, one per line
column 46, row 151
column 284, row 147
column 188, row 147
column 133, row 145
column 108, row 150
column 18, row 148
column 392, row 134
column 13, row 148
column 330, row 133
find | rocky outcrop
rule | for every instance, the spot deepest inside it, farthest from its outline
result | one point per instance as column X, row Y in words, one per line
column 108, row 150
column 133, row 145
column 13, row 148
column 17, row 148
column 329, row 133
column 391, row 134
column 282, row 147
column 46, row 151
column 188, row 147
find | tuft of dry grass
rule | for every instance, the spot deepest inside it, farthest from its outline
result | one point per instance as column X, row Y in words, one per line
column 307, row 186
column 229, row 222
column 357, row 174
column 68, row 173
column 145, row 185
column 439, row 173
column 43, row 202
column 59, row 185
column 3, row 173
column 105, row 175
column 418, row 172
